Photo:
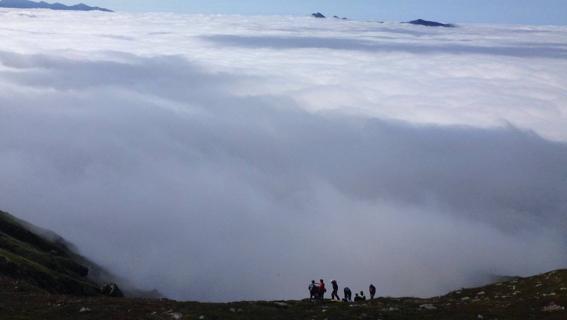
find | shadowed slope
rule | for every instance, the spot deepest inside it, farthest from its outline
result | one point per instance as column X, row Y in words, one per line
column 45, row 260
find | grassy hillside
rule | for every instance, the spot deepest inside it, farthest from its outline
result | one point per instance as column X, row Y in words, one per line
column 42, row 278
column 45, row 260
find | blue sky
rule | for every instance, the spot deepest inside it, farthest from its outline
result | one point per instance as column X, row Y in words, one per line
column 484, row 11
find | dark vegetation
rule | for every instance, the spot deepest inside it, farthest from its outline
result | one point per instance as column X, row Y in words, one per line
column 45, row 261
column 41, row 277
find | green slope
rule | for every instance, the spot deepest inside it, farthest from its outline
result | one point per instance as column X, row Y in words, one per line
column 44, row 261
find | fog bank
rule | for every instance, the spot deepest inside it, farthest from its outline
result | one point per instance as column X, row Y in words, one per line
column 213, row 178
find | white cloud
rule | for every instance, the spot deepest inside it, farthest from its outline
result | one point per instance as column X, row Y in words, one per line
column 223, row 158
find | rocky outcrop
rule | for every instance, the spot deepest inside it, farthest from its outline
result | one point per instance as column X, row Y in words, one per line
column 111, row 290
column 318, row 15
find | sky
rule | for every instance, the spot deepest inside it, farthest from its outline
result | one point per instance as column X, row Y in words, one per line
column 220, row 158
column 478, row 11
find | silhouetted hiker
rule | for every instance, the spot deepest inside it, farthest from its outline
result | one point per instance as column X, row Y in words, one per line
column 335, row 293
column 362, row 296
column 322, row 289
column 372, row 290
column 348, row 295
column 357, row 298
column 313, row 290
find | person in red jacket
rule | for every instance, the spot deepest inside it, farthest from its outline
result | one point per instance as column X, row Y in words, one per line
column 322, row 289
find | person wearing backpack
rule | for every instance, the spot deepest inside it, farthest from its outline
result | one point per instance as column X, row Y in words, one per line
column 335, row 293
column 348, row 295
column 357, row 298
column 312, row 290
column 372, row 290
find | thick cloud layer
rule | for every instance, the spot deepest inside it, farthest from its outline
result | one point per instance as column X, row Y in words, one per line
column 228, row 158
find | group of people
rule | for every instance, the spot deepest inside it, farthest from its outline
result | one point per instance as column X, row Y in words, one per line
column 317, row 292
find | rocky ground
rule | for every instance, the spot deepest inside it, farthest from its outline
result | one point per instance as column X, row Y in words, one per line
column 539, row 297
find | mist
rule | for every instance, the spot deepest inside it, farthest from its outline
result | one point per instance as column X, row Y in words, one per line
column 204, row 175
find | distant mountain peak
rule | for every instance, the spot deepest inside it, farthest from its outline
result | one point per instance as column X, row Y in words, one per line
column 28, row 4
column 421, row 22
column 318, row 15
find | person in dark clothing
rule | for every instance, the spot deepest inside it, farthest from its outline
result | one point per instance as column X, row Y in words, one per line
column 362, row 296
column 335, row 293
column 348, row 295
column 357, row 298
column 322, row 289
column 312, row 290
column 372, row 290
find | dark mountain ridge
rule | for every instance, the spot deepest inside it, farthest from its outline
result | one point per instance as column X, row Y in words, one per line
column 427, row 23
column 318, row 15
column 27, row 4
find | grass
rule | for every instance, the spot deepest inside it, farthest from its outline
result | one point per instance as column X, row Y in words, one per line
column 44, row 263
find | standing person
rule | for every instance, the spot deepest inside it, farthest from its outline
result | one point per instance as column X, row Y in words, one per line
column 322, row 289
column 348, row 295
column 372, row 290
column 362, row 296
column 312, row 290
column 335, row 293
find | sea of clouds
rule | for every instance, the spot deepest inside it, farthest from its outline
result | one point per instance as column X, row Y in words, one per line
column 229, row 158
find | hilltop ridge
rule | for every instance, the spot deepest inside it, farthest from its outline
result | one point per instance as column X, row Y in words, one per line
column 27, row 4
column 539, row 297
column 42, row 277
